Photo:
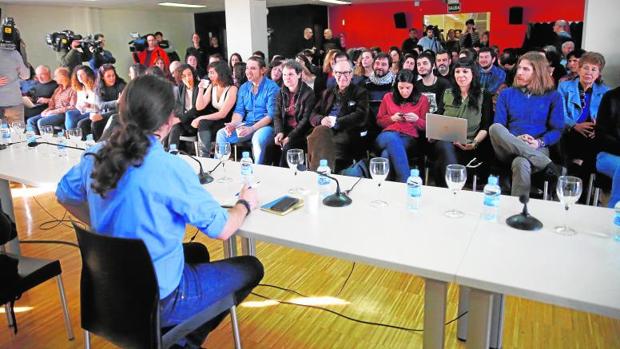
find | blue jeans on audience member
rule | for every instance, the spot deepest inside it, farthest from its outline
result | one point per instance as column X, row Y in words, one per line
column 202, row 285
column 609, row 165
column 72, row 117
column 261, row 138
column 37, row 121
column 394, row 146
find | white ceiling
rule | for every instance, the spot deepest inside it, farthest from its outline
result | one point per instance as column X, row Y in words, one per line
column 212, row 5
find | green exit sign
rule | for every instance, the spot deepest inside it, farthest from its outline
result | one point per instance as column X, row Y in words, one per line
column 454, row 6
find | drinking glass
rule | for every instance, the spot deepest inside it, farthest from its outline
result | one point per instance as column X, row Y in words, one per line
column 47, row 132
column 222, row 153
column 569, row 190
column 379, row 169
column 18, row 128
column 75, row 135
column 294, row 158
column 456, row 176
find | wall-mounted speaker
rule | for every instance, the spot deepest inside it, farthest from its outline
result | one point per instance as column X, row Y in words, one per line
column 515, row 15
column 400, row 20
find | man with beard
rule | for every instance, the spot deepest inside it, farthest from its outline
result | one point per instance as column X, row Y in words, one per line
column 491, row 76
column 378, row 84
column 443, row 62
column 431, row 85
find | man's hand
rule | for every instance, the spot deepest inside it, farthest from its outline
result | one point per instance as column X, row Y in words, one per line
column 250, row 195
column 327, row 122
column 466, row 147
column 243, row 131
column 3, row 80
column 529, row 140
column 229, row 128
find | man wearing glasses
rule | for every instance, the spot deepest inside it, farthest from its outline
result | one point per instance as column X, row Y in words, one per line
column 338, row 117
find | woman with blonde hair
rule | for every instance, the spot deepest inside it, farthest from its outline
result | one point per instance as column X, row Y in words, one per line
column 529, row 118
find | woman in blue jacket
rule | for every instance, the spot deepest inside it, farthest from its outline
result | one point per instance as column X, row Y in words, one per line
column 581, row 98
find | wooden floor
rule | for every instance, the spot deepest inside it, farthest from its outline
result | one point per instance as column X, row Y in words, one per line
column 372, row 294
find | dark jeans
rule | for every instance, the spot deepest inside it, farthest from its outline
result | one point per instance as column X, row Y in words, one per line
column 446, row 153
column 202, row 284
column 206, row 134
column 94, row 127
column 394, row 146
column 577, row 147
column 292, row 144
column 179, row 130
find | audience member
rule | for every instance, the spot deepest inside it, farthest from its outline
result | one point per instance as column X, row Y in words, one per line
column 452, row 42
column 401, row 115
column 199, row 52
column 467, row 100
column 607, row 132
column 430, row 85
column 411, row 42
column 254, row 111
column 12, row 68
column 214, row 47
column 294, row 105
column 239, row 77
column 582, row 98
column 430, row 42
column 149, row 56
column 491, row 76
column 83, row 82
column 365, row 69
column 329, row 42
column 234, row 59
column 192, row 61
column 409, row 62
column 338, row 117
column 275, row 71
column 37, row 98
column 63, row 100
column 72, row 56
column 567, row 47
column 218, row 102
column 101, row 57
column 187, row 111
column 470, row 36
column 308, row 42
column 443, row 62
column 529, row 118
column 572, row 65
column 396, row 56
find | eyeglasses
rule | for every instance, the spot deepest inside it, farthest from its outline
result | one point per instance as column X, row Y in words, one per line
column 342, row 73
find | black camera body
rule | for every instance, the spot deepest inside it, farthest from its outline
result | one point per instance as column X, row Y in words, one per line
column 89, row 44
column 10, row 35
column 138, row 42
column 61, row 41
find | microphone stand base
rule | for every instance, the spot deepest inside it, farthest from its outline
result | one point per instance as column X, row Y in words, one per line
column 524, row 222
column 337, row 200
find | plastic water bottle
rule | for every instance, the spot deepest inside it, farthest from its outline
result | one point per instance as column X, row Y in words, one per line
column 62, row 145
column 90, row 140
column 31, row 137
column 617, row 222
column 247, row 168
column 492, row 193
column 324, row 182
column 414, row 190
column 172, row 149
column 6, row 133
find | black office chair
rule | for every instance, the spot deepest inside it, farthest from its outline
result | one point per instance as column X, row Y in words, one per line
column 31, row 272
column 120, row 295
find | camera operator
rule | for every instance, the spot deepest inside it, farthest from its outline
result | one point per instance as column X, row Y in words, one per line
column 149, row 56
column 100, row 55
column 12, row 68
column 470, row 37
column 432, row 39
column 72, row 57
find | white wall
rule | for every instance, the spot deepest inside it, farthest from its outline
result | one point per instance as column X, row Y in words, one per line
column 116, row 24
column 246, row 26
column 600, row 25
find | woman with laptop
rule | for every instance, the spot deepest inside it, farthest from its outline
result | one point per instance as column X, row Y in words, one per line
column 401, row 115
column 465, row 100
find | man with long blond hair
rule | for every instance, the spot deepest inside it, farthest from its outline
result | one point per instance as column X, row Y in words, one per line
column 529, row 118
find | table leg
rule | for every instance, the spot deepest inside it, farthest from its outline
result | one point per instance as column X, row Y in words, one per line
column 248, row 246
column 230, row 247
column 479, row 326
column 461, row 324
column 497, row 321
column 7, row 206
column 434, row 313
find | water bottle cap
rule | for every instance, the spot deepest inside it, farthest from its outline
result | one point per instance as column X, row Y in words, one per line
column 414, row 172
column 323, row 162
column 173, row 146
column 60, row 134
column 245, row 154
column 89, row 137
column 492, row 180
column 29, row 128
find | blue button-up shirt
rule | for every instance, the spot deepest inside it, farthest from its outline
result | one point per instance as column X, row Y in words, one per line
column 254, row 107
column 493, row 79
column 152, row 202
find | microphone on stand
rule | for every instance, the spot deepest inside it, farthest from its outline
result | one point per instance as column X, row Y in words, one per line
column 338, row 199
column 203, row 176
column 4, row 146
column 35, row 143
column 523, row 220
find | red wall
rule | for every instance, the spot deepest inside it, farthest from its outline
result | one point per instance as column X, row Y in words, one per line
column 373, row 24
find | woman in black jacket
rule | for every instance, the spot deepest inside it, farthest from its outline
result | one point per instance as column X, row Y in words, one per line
column 186, row 105
column 294, row 104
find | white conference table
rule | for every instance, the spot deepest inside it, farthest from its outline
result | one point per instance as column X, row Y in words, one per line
column 580, row 272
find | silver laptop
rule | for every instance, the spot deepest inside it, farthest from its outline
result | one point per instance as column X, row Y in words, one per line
column 446, row 128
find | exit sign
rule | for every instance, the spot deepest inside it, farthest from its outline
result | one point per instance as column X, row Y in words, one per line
column 454, row 6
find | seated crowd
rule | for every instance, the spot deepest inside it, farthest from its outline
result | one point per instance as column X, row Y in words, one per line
column 544, row 111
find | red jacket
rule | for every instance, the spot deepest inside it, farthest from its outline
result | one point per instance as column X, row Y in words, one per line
column 156, row 53
column 389, row 108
